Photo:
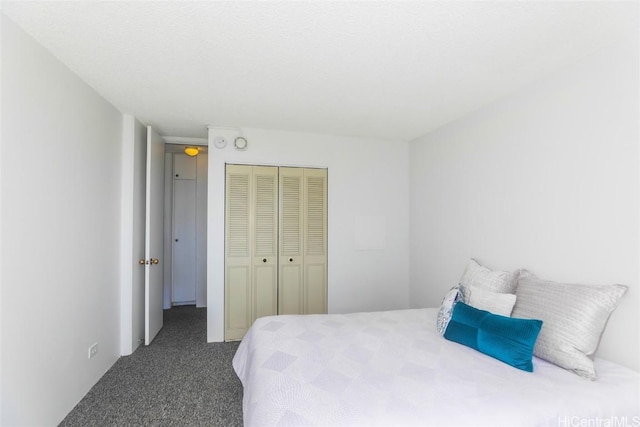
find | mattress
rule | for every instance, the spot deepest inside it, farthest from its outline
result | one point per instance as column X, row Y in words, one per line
column 392, row 368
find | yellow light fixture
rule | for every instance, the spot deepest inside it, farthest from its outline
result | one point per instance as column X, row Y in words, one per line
column 191, row 151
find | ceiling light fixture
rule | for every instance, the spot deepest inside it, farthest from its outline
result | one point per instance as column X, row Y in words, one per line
column 191, row 151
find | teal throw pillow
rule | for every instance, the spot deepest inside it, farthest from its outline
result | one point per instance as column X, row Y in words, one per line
column 507, row 339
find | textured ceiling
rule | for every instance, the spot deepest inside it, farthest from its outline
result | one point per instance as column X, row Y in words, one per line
column 384, row 69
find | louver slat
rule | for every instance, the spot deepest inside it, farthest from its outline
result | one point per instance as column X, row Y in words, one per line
column 238, row 238
column 290, row 215
column 315, row 216
column 266, row 214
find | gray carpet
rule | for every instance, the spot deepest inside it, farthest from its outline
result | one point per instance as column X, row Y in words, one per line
column 179, row 380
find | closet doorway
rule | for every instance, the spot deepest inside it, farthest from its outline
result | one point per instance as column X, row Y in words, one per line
column 185, row 227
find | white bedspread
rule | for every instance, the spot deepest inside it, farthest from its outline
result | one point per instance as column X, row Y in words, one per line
column 393, row 368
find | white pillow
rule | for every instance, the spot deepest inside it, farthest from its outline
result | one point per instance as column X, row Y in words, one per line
column 493, row 302
column 504, row 282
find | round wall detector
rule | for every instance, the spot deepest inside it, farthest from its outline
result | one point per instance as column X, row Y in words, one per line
column 240, row 143
column 220, row 141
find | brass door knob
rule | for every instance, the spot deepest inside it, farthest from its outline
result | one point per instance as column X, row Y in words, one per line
column 155, row 261
column 142, row 262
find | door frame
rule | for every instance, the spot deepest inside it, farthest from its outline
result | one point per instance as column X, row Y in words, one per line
column 202, row 176
column 134, row 139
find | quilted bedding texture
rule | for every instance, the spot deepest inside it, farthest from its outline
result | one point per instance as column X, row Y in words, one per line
column 393, row 368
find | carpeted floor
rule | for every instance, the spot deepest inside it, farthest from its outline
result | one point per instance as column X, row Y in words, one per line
column 179, row 380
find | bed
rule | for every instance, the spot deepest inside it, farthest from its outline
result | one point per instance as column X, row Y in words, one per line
column 504, row 348
column 392, row 368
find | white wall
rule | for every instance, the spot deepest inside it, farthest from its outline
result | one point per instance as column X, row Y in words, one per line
column 60, row 218
column 202, row 193
column 366, row 179
column 133, row 208
column 546, row 179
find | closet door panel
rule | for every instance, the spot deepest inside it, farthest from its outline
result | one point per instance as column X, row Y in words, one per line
column 264, row 291
column 290, row 295
column 238, row 280
column 265, row 241
column 238, row 316
column 316, row 289
column 290, row 290
column 315, row 241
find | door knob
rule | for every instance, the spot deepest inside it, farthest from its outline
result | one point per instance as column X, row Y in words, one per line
column 155, row 261
column 290, row 259
column 264, row 260
column 142, row 262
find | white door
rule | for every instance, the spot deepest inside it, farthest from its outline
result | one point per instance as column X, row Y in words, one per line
column 183, row 280
column 153, row 285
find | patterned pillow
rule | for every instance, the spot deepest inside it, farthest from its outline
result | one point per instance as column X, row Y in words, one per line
column 492, row 302
column 574, row 318
column 503, row 282
column 446, row 308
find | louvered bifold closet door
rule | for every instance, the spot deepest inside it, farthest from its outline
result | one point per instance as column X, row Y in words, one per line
column 265, row 241
column 290, row 293
column 238, row 260
column 275, row 244
column 315, row 241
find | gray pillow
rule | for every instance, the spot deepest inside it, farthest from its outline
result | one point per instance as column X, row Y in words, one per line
column 503, row 282
column 573, row 316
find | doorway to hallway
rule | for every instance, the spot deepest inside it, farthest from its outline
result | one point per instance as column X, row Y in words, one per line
column 185, row 227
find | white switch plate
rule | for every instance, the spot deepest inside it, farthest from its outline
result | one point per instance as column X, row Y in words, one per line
column 93, row 350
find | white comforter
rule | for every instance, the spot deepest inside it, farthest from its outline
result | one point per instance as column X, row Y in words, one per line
column 393, row 368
